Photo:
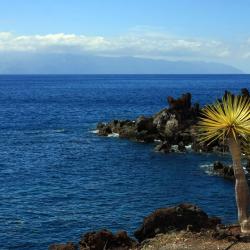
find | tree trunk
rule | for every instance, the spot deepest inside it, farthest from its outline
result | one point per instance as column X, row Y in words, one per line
column 241, row 186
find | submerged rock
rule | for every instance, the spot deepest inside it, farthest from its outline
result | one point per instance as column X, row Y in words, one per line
column 182, row 217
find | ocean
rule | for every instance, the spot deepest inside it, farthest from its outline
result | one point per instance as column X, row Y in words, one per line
column 59, row 180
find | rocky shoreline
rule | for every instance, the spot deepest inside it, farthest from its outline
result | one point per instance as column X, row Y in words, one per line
column 183, row 218
column 173, row 128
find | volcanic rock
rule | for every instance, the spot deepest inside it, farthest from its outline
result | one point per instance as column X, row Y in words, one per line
column 177, row 218
column 105, row 239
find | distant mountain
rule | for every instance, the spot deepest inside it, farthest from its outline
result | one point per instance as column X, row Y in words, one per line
column 34, row 63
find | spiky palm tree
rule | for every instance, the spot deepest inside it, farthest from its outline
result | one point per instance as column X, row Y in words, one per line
column 246, row 152
column 246, row 146
column 229, row 119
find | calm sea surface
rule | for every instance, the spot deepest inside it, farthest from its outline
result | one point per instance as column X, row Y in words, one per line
column 59, row 180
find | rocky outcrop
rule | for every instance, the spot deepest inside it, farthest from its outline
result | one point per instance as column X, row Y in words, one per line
column 106, row 240
column 181, row 217
column 174, row 126
column 163, row 147
column 229, row 232
column 100, row 240
column 185, row 219
column 183, row 103
column 226, row 172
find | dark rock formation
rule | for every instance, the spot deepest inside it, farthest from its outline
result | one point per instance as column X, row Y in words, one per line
column 175, row 218
column 229, row 232
column 223, row 170
column 182, row 103
column 172, row 126
column 186, row 217
column 181, row 146
column 106, row 240
column 163, row 147
column 145, row 124
column 245, row 93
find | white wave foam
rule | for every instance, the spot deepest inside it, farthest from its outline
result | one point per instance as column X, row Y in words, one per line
column 175, row 148
column 95, row 131
column 208, row 168
column 113, row 135
column 189, row 147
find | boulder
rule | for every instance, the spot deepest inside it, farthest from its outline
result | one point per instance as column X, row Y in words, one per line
column 186, row 137
column 228, row 232
column 104, row 130
column 181, row 146
column 171, row 127
column 163, row 147
column 128, row 132
column 179, row 217
column 223, row 170
column 105, row 239
column 160, row 119
column 145, row 123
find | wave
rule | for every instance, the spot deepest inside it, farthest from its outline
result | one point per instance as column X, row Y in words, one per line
column 94, row 131
column 208, row 169
column 60, row 130
column 189, row 147
column 109, row 135
column 113, row 135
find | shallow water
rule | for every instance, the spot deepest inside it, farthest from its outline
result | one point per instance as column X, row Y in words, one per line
column 59, row 180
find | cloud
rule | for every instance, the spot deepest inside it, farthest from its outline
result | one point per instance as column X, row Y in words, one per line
column 245, row 49
column 137, row 43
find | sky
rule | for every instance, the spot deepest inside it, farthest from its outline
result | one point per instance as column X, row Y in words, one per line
column 179, row 30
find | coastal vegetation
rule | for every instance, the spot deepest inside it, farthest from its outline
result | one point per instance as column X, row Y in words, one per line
column 229, row 120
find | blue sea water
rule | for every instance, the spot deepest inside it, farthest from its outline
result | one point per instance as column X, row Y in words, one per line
column 59, row 180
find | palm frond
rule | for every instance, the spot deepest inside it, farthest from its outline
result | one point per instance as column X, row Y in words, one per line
column 230, row 117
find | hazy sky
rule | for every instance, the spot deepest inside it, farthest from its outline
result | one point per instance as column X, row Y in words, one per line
column 203, row 30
